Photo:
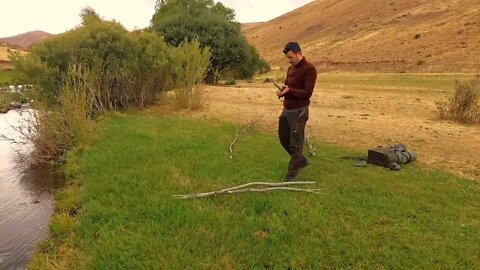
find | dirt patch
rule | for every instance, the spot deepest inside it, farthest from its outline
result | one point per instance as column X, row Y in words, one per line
column 360, row 117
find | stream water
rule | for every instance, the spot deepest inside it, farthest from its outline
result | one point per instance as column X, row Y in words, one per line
column 26, row 197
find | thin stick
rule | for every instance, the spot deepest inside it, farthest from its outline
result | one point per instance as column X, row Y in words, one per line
column 234, row 141
column 230, row 190
column 270, row 184
column 311, row 148
column 208, row 194
column 275, row 188
column 241, row 132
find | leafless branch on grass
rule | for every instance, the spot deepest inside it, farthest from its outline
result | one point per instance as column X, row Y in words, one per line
column 244, row 188
column 240, row 132
column 311, row 149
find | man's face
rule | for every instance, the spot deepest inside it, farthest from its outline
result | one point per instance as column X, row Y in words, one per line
column 293, row 57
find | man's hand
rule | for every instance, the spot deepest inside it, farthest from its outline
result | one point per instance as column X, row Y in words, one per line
column 281, row 93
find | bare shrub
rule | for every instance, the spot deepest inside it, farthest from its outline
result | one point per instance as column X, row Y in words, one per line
column 464, row 106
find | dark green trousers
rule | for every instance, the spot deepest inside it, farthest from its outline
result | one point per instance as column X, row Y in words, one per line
column 291, row 132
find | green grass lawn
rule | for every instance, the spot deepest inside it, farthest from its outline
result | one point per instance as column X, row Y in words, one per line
column 124, row 217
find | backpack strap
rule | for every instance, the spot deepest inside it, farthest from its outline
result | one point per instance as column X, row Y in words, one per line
column 393, row 166
column 357, row 161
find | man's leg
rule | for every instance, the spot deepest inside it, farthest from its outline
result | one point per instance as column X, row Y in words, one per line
column 297, row 124
column 284, row 133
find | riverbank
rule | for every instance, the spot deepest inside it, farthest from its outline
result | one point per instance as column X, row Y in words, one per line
column 119, row 212
column 11, row 101
column 8, row 99
column 26, row 196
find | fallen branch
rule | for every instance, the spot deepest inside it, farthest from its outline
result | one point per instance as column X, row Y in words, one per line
column 241, row 132
column 275, row 188
column 243, row 188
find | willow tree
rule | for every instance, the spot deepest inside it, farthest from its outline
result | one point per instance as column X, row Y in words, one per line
column 214, row 26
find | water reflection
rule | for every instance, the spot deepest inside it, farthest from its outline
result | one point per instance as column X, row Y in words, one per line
column 26, row 200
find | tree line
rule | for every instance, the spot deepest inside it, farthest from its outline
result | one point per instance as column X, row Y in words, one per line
column 99, row 66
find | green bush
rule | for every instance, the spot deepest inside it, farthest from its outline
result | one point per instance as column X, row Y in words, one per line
column 84, row 72
column 251, row 66
column 5, row 77
column 231, row 82
column 189, row 63
column 464, row 106
column 214, row 26
column 128, row 69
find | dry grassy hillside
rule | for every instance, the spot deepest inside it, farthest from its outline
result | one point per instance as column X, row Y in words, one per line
column 4, row 55
column 381, row 35
column 247, row 26
column 25, row 40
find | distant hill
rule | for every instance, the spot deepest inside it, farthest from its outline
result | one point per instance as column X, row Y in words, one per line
column 247, row 26
column 381, row 35
column 24, row 41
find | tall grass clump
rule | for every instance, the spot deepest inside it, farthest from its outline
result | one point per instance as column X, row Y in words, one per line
column 190, row 64
column 464, row 107
column 54, row 130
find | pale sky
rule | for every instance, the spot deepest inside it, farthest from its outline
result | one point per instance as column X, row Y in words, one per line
column 57, row 16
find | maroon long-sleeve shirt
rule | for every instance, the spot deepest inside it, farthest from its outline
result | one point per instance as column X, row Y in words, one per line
column 301, row 81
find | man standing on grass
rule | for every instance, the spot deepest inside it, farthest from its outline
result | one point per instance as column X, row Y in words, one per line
column 298, row 89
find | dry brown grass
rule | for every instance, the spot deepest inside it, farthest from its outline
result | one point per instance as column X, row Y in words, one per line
column 350, row 111
column 464, row 107
column 4, row 52
column 5, row 62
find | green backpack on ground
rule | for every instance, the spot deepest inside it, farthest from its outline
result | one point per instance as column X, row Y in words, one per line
column 390, row 157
